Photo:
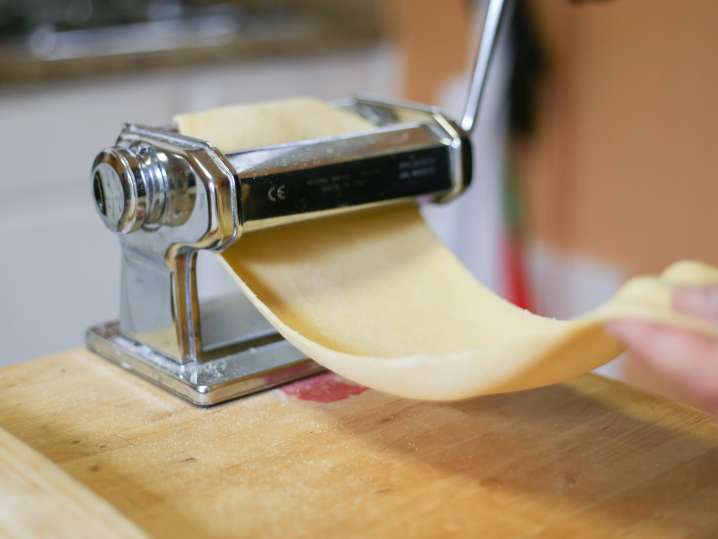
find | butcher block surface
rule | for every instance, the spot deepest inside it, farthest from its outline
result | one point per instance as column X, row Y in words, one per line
column 325, row 458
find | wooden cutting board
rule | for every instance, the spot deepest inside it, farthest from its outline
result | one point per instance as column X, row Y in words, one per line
column 322, row 458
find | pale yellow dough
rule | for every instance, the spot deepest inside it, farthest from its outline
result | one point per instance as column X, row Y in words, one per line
column 239, row 127
column 377, row 298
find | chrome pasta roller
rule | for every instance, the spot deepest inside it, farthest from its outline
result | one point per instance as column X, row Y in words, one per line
column 169, row 196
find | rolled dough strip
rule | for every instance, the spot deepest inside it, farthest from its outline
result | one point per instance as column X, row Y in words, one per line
column 377, row 298
column 239, row 127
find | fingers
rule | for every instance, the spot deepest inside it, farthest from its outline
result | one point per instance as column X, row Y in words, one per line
column 698, row 300
column 687, row 361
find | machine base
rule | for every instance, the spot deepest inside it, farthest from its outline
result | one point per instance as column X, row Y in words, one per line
column 205, row 383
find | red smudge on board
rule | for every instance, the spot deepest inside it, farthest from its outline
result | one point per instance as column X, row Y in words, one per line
column 325, row 387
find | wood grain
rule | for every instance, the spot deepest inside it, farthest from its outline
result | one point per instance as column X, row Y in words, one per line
column 591, row 458
column 37, row 499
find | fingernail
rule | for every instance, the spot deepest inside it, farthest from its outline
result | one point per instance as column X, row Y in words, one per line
column 699, row 300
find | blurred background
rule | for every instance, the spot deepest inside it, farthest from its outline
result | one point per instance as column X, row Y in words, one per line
column 596, row 151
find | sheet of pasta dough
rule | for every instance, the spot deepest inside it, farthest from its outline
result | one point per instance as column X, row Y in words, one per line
column 376, row 297
column 240, row 127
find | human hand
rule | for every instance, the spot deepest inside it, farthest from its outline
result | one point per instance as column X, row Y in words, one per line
column 685, row 362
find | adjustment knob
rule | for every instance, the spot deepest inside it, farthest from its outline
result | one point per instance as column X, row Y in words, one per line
column 119, row 190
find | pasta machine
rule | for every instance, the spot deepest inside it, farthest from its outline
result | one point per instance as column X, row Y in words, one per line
column 169, row 196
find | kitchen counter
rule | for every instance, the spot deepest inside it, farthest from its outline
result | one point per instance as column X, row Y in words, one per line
column 323, row 458
column 312, row 27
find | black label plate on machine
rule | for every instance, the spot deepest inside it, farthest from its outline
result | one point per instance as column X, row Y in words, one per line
column 351, row 183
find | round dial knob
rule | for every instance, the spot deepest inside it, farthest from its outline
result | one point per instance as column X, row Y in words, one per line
column 119, row 190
